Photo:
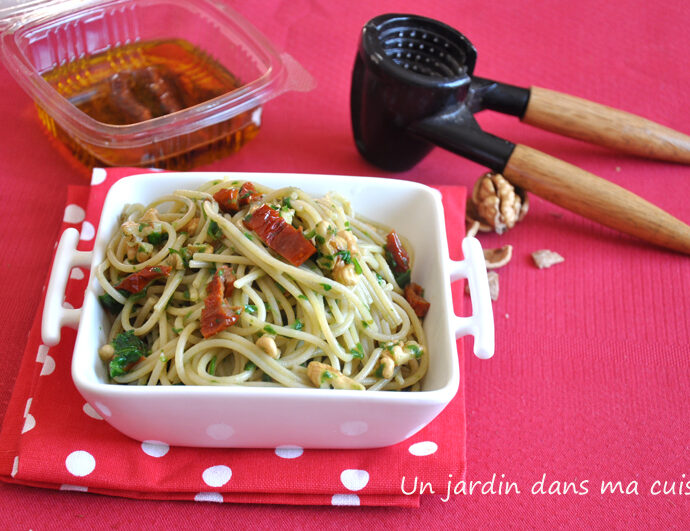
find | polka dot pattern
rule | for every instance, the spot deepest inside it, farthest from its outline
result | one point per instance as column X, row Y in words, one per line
column 353, row 428
column 353, row 479
column 76, row 274
column 80, row 463
column 423, row 448
column 345, row 499
column 289, row 452
column 74, row 214
column 91, row 412
column 216, row 497
column 87, row 231
column 220, row 432
column 98, row 176
column 75, row 488
column 155, row 448
column 350, row 478
column 29, row 423
column 217, row 476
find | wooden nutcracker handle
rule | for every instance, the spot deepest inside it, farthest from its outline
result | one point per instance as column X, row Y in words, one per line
column 598, row 124
column 595, row 198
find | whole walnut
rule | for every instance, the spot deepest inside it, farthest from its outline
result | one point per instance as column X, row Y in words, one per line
column 496, row 204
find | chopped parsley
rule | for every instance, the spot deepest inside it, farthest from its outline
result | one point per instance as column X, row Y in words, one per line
column 157, row 238
column 344, row 255
column 326, row 287
column 214, row 230
column 403, row 279
column 249, row 366
column 358, row 268
column 110, row 304
column 250, row 308
column 270, row 330
column 415, row 350
column 129, row 349
column 212, row 367
column 297, row 325
column 357, row 352
column 183, row 254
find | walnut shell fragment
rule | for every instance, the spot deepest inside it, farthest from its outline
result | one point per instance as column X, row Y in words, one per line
column 545, row 258
column 496, row 204
column 492, row 276
column 496, row 258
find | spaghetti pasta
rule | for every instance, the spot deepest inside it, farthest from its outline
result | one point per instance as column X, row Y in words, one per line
column 239, row 284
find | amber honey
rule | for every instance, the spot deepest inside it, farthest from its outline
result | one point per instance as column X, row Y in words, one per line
column 139, row 82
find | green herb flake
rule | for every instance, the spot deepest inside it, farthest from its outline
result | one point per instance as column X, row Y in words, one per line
column 129, row 349
column 357, row 352
column 156, row 238
column 326, row 287
column 266, row 378
column 303, row 297
column 415, row 350
column 250, row 308
column 286, row 202
column 297, row 325
column 212, row 367
column 320, row 239
column 326, row 375
column 248, row 236
column 345, row 256
column 183, row 254
column 379, row 372
column 358, row 268
column 213, row 230
column 249, row 366
column 110, row 304
column 403, row 279
column 270, row 330
column 365, row 324
column 177, row 330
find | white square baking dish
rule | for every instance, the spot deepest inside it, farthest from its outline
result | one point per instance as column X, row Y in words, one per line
column 212, row 416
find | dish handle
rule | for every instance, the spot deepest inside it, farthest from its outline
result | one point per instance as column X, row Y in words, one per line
column 481, row 323
column 55, row 315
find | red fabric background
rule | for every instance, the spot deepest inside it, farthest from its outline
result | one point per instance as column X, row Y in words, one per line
column 591, row 375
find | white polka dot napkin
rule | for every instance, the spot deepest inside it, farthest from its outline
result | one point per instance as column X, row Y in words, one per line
column 51, row 438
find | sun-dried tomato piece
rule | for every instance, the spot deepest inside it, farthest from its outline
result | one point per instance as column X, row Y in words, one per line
column 227, row 199
column 136, row 282
column 400, row 258
column 217, row 314
column 248, row 194
column 232, row 200
column 414, row 295
column 279, row 235
column 228, row 280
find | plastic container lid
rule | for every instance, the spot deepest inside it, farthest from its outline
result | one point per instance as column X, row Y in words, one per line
column 23, row 22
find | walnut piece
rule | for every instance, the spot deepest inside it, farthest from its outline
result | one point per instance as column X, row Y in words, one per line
column 323, row 376
column 492, row 277
column 496, row 203
column 493, row 285
column 545, row 258
column 496, row 258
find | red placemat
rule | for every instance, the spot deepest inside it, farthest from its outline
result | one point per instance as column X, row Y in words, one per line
column 52, row 438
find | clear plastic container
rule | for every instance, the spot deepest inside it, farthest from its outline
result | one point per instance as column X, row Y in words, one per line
column 165, row 83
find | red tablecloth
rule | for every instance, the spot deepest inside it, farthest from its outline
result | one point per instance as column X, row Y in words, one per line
column 590, row 381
